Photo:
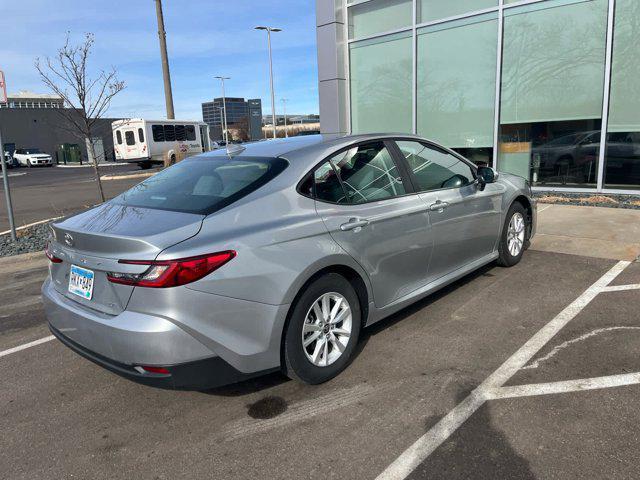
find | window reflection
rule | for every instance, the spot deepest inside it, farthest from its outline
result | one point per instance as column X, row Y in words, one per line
column 552, row 153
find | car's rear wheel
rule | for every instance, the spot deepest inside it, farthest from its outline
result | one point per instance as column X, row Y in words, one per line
column 322, row 331
column 514, row 236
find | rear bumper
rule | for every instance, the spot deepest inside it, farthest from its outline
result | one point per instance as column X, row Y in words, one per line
column 120, row 343
column 199, row 375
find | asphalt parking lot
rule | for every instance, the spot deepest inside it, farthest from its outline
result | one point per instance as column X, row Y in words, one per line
column 485, row 379
column 41, row 193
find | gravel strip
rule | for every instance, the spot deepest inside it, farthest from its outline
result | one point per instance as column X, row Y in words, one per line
column 32, row 239
column 590, row 199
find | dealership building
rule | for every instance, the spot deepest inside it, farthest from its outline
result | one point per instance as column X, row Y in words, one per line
column 546, row 89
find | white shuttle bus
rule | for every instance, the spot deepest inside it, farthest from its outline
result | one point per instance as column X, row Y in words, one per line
column 146, row 142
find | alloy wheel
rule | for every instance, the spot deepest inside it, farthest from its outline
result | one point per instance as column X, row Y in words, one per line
column 327, row 328
column 515, row 234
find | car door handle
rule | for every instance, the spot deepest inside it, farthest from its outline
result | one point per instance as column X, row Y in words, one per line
column 354, row 223
column 438, row 206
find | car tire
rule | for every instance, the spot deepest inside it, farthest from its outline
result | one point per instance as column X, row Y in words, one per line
column 144, row 165
column 298, row 361
column 514, row 239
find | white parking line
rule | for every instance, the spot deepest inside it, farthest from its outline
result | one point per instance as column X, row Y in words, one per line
column 26, row 345
column 582, row 384
column 540, row 210
column 425, row 445
column 621, row 288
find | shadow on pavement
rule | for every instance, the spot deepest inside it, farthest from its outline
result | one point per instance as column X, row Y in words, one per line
column 476, row 450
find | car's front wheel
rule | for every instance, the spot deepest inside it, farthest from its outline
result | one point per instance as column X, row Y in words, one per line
column 322, row 331
column 513, row 241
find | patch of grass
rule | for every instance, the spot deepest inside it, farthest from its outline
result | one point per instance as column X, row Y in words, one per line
column 552, row 199
column 595, row 199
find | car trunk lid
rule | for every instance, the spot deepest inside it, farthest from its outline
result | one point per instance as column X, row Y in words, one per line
column 97, row 239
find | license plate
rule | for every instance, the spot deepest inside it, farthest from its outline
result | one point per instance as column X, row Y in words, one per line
column 81, row 282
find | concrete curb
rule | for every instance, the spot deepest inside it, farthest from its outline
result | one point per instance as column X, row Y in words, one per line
column 39, row 222
column 124, row 177
column 87, row 165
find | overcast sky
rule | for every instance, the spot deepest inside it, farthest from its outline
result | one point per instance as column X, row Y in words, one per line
column 205, row 38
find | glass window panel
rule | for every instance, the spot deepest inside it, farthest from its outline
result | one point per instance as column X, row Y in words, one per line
column 170, row 133
column 552, row 90
column 429, row 10
column 381, row 77
column 327, row 185
column 129, row 137
column 435, row 169
column 622, row 167
column 379, row 16
column 553, row 61
column 457, row 82
column 158, row 133
column 368, row 173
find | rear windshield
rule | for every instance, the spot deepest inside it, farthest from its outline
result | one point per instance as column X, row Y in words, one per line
column 203, row 185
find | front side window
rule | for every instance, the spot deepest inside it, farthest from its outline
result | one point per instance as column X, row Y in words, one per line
column 435, row 169
column 191, row 132
column 158, row 133
column 141, row 135
column 119, row 137
column 129, row 137
column 368, row 173
column 203, row 185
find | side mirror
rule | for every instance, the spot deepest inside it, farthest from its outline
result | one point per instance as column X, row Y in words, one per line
column 485, row 175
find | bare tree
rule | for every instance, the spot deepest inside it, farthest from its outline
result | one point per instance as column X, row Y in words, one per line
column 88, row 97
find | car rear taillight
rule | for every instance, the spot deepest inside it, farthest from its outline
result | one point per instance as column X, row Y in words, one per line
column 171, row 273
column 49, row 253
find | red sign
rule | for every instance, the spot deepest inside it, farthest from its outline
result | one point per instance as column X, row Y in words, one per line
column 3, row 88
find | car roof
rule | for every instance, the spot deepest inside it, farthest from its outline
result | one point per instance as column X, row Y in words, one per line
column 305, row 144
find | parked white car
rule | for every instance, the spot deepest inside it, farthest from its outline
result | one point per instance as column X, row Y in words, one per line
column 32, row 157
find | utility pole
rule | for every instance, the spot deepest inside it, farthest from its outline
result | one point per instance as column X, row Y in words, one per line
column 224, row 107
column 273, row 97
column 284, row 106
column 162, row 36
column 5, row 175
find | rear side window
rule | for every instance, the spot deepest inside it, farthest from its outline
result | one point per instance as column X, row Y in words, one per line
column 191, row 132
column 435, row 169
column 119, row 137
column 130, row 137
column 158, row 133
column 328, row 187
column 366, row 173
column 203, row 185
column 140, row 135
column 169, row 133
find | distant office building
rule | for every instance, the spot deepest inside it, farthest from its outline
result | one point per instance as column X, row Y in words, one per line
column 27, row 99
column 241, row 114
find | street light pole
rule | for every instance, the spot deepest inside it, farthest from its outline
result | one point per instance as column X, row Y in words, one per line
column 162, row 36
column 224, row 108
column 273, row 96
column 284, row 106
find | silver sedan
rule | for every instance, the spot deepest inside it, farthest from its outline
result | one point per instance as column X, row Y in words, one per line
column 274, row 255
